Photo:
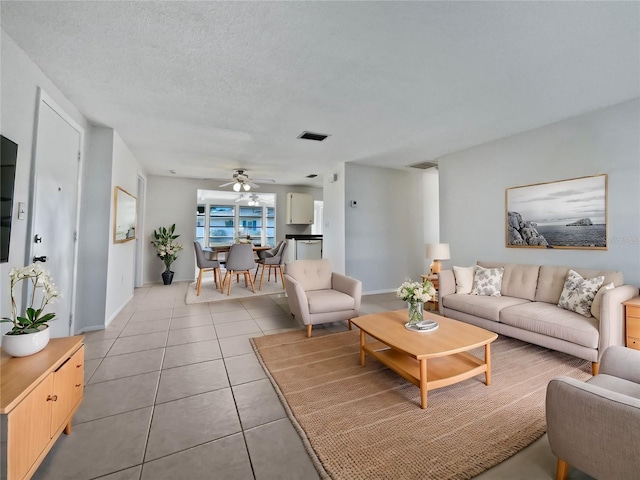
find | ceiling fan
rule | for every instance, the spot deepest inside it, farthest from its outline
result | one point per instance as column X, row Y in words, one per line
column 254, row 200
column 241, row 181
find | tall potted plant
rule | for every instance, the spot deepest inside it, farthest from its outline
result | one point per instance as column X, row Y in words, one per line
column 30, row 332
column 167, row 249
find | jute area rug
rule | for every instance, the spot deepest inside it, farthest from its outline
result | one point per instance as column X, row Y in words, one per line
column 208, row 292
column 366, row 423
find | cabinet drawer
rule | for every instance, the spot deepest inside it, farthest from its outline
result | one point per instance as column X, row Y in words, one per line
column 633, row 343
column 633, row 311
column 633, row 327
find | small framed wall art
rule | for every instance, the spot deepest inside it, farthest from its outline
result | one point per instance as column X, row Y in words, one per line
column 562, row 214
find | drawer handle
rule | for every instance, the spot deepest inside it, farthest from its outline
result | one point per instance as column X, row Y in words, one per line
column 52, row 398
column 78, row 384
column 78, row 366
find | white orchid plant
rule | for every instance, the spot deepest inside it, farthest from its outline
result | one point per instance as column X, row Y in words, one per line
column 166, row 246
column 416, row 292
column 35, row 319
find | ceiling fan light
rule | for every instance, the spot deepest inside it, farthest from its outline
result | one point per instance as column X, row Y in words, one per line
column 236, row 187
column 246, row 187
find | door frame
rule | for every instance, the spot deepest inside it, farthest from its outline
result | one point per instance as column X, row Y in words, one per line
column 44, row 99
column 139, row 270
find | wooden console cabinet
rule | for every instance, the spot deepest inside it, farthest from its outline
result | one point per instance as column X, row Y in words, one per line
column 39, row 395
column 632, row 314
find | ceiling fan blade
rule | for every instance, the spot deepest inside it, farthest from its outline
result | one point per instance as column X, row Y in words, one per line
column 251, row 184
column 239, row 199
column 226, row 184
column 263, row 180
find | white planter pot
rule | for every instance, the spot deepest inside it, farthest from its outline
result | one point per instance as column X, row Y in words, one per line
column 24, row 345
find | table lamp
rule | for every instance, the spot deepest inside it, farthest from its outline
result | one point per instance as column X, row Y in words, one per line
column 437, row 252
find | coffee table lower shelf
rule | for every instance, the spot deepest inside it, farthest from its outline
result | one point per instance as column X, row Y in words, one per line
column 432, row 373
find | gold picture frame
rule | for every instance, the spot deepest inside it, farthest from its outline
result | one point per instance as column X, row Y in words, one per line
column 570, row 214
column 125, row 216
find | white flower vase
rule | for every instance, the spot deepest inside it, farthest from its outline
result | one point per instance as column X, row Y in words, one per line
column 26, row 344
column 416, row 312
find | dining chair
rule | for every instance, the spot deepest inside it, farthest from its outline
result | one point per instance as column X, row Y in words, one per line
column 205, row 265
column 239, row 260
column 274, row 262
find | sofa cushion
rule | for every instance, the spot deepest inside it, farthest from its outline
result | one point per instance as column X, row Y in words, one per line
column 578, row 293
column 553, row 321
column 487, row 281
column 323, row 301
column 480, row 306
column 551, row 281
column 520, row 281
column 464, row 278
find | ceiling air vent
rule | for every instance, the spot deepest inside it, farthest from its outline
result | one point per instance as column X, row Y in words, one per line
column 318, row 137
column 424, row 165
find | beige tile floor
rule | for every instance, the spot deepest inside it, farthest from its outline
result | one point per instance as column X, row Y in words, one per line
column 174, row 391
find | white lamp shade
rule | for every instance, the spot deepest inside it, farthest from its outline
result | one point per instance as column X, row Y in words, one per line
column 246, row 187
column 236, row 187
column 438, row 251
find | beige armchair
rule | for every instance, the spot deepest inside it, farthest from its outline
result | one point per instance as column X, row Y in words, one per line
column 595, row 425
column 318, row 295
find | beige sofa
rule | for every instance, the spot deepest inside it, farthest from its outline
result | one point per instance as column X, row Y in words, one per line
column 527, row 309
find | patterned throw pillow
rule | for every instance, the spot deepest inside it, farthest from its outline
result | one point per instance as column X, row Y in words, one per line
column 487, row 281
column 578, row 293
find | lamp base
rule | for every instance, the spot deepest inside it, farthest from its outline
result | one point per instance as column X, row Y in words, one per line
column 436, row 267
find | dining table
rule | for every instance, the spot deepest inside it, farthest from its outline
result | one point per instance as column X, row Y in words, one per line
column 216, row 250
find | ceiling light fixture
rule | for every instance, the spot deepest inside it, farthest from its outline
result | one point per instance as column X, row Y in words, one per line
column 246, row 186
column 236, row 187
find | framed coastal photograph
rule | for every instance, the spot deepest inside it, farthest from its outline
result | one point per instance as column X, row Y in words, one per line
column 124, row 225
column 563, row 214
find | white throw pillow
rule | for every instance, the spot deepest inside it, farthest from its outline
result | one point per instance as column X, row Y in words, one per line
column 597, row 300
column 464, row 279
column 578, row 293
column 487, row 281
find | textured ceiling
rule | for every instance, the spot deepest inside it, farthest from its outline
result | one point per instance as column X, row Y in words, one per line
column 205, row 87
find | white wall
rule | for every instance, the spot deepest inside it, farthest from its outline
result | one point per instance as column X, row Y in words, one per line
column 93, row 247
column 20, row 79
column 122, row 256
column 105, row 158
column 431, row 214
column 172, row 200
column 333, row 238
column 473, row 183
column 384, row 233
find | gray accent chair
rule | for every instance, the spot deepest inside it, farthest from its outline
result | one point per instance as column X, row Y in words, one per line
column 239, row 260
column 205, row 265
column 318, row 295
column 595, row 425
column 273, row 261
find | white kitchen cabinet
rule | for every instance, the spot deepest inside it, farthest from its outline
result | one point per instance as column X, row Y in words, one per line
column 299, row 209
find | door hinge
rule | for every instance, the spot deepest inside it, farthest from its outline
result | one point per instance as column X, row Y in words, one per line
column 70, row 319
column 79, row 155
column 75, row 236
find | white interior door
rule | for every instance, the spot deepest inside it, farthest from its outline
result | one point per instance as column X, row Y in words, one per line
column 55, row 206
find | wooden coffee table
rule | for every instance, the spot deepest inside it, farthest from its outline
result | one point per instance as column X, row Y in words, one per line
column 429, row 360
